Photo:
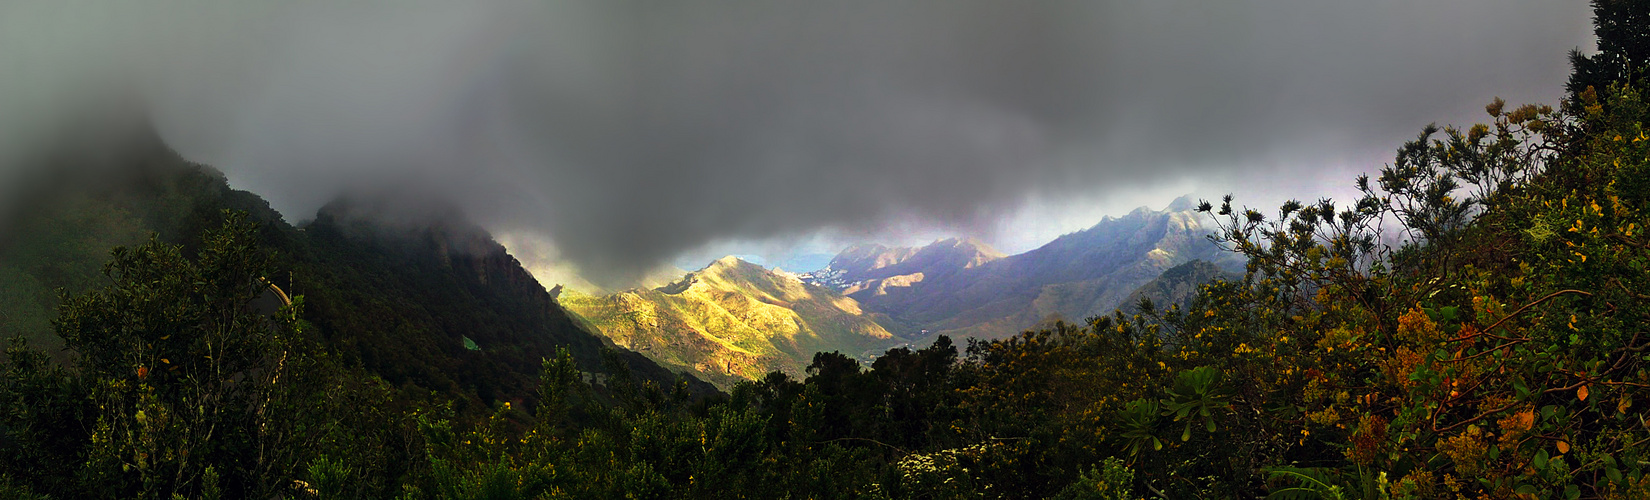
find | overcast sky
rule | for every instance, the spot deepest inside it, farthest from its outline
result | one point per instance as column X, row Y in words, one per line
column 607, row 137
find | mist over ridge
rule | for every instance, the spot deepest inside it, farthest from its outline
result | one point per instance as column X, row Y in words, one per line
column 622, row 134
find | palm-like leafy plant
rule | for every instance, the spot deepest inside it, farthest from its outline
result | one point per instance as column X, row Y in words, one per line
column 1196, row 392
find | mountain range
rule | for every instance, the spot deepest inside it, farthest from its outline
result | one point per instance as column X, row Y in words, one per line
column 420, row 296
column 735, row 320
column 962, row 288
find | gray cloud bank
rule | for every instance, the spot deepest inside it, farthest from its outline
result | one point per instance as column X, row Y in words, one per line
column 631, row 131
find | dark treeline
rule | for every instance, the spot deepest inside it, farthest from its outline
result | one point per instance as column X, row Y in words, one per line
column 1500, row 352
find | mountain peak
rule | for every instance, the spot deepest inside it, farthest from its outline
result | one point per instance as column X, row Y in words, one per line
column 955, row 242
column 966, row 251
column 733, row 269
column 728, row 267
column 1183, row 203
column 863, row 251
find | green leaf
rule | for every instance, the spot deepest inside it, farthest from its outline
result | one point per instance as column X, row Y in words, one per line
column 1540, row 461
column 1528, row 489
column 1572, row 492
column 1310, row 484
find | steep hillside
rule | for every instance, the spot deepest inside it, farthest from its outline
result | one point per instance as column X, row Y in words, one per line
column 434, row 301
column 734, row 320
column 87, row 194
column 404, row 296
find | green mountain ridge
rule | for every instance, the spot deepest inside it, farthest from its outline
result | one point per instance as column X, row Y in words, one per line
column 398, row 295
column 88, row 196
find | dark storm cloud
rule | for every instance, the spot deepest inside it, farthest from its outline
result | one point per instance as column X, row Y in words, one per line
column 632, row 131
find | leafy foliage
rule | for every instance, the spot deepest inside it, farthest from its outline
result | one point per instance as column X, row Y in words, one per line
column 183, row 385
